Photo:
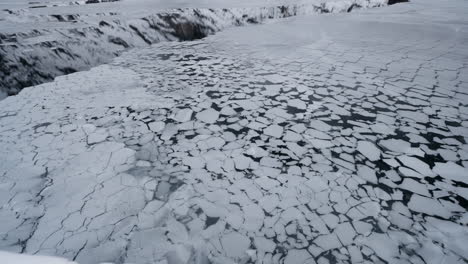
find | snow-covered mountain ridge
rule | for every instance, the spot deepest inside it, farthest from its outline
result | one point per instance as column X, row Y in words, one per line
column 75, row 42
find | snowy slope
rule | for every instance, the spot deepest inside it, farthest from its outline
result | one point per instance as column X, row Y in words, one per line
column 38, row 44
column 277, row 143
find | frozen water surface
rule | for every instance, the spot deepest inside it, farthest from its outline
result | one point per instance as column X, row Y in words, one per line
column 339, row 138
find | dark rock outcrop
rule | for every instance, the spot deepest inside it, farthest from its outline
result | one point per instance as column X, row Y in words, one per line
column 392, row 2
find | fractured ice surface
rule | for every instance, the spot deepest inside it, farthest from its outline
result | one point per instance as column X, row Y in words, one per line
column 202, row 152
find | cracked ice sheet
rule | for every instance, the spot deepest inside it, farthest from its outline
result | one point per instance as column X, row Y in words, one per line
column 210, row 156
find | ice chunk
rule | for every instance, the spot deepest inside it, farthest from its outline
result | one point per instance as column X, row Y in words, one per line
column 367, row 173
column 383, row 246
column 256, row 152
column 428, row 206
column 416, row 116
column 320, row 125
column 194, row 162
column 292, row 136
column 179, row 254
column 264, row 244
column 184, row 115
column 296, row 149
column 415, row 187
column 297, row 103
column 369, row 150
column 235, row 244
column 157, row 126
column 328, row 242
column 88, row 128
column 345, row 233
column 274, row 131
column 98, row 136
column 266, row 183
column 254, row 217
column 208, row 116
column 275, row 78
column 396, row 145
column 242, row 162
column 298, row 256
column 269, row 202
column 270, row 162
column 228, row 111
column 417, row 165
column 215, row 142
column 355, row 254
column 451, row 171
column 318, row 143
